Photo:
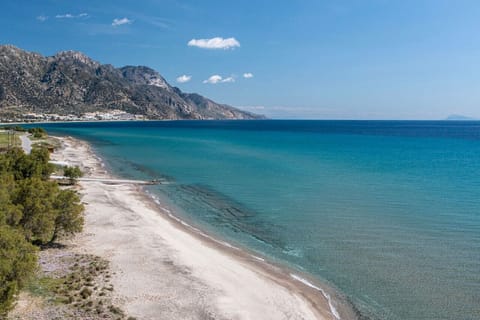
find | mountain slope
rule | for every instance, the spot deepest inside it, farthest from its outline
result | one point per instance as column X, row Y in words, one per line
column 72, row 83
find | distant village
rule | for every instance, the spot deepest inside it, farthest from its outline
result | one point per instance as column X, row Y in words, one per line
column 111, row 115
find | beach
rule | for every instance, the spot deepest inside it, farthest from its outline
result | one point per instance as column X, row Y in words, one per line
column 165, row 269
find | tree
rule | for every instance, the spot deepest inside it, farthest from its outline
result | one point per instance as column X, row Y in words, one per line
column 18, row 262
column 23, row 166
column 39, row 163
column 14, row 162
column 37, row 132
column 33, row 209
column 37, row 199
column 73, row 173
column 10, row 213
column 69, row 213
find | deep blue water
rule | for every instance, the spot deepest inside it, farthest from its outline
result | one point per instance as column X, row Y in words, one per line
column 388, row 212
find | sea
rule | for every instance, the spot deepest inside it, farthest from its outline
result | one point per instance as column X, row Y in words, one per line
column 385, row 212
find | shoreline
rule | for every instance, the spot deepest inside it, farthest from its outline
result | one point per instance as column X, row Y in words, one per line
column 230, row 281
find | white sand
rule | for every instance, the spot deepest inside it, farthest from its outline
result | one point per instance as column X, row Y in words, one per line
column 163, row 271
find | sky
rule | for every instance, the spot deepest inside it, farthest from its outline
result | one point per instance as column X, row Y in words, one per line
column 312, row 59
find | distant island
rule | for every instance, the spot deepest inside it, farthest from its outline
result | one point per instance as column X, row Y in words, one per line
column 458, row 117
column 71, row 86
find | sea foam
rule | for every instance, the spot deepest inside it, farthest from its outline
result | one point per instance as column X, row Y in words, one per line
column 324, row 293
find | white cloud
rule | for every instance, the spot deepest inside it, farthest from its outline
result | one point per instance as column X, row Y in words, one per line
column 42, row 18
column 218, row 79
column 214, row 43
column 64, row 16
column 118, row 22
column 248, row 75
column 213, row 79
column 229, row 79
column 184, row 78
column 71, row 16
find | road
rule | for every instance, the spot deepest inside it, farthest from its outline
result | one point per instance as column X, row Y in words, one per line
column 26, row 143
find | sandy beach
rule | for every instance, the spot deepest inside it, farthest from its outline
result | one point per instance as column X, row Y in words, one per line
column 163, row 269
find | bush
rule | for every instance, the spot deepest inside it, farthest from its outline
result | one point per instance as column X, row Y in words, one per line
column 73, row 173
column 14, row 128
column 18, row 262
column 37, row 198
column 10, row 213
column 69, row 217
column 22, row 166
column 37, row 132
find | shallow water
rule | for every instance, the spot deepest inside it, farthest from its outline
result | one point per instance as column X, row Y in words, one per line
column 388, row 212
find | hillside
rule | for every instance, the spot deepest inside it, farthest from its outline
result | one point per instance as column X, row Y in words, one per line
column 72, row 83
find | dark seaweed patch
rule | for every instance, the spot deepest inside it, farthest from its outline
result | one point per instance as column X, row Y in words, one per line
column 221, row 210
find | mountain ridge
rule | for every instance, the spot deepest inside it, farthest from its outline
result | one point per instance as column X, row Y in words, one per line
column 459, row 117
column 71, row 82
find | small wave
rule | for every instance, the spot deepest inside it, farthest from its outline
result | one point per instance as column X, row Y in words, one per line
column 181, row 221
column 258, row 258
column 293, row 252
column 100, row 160
column 325, row 294
column 198, row 231
column 203, row 234
column 154, row 198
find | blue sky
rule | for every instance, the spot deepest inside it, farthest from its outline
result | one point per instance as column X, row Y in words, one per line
column 326, row 59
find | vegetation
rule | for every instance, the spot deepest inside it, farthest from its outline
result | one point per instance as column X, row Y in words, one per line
column 81, row 88
column 85, row 287
column 38, row 133
column 17, row 263
column 14, row 128
column 34, row 211
column 7, row 140
column 73, row 173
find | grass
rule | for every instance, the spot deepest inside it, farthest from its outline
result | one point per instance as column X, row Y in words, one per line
column 4, row 139
column 85, row 288
column 46, row 142
column 45, row 287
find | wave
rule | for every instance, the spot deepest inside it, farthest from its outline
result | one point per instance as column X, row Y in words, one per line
column 324, row 293
column 327, row 296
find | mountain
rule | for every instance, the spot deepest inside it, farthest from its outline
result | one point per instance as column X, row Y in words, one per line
column 72, row 83
column 458, row 117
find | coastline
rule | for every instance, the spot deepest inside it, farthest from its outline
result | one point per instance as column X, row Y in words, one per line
column 165, row 268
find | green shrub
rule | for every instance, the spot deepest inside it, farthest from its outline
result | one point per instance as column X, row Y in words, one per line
column 69, row 213
column 33, row 209
column 37, row 132
column 18, row 262
column 73, row 173
column 22, row 166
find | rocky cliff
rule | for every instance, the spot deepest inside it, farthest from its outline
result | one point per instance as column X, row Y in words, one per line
column 72, row 83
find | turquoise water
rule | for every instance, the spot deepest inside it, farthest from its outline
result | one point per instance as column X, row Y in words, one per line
column 386, row 212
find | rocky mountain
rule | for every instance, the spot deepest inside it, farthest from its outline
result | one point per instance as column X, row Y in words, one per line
column 72, row 83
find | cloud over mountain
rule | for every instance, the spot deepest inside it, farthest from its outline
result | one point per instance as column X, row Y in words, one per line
column 184, row 78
